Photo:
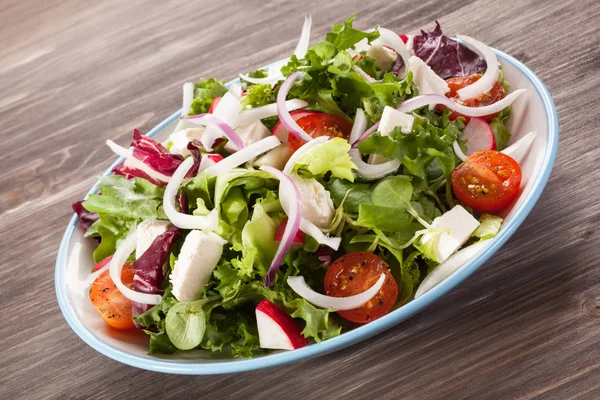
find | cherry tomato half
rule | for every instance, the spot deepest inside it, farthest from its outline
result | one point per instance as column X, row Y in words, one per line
column 488, row 181
column 112, row 306
column 354, row 273
column 321, row 124
column 455, row 84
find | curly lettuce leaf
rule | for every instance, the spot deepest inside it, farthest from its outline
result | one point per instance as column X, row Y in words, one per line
column 205, row 92
column 331, row 156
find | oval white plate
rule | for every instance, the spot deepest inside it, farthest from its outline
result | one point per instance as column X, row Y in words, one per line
column 534, row 110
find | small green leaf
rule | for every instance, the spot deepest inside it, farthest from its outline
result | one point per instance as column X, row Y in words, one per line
column 185, row 324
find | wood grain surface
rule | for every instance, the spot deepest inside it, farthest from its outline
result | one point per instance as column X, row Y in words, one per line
column 75, row 73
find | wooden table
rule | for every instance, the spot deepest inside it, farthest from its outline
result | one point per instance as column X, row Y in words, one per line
column 73, row 74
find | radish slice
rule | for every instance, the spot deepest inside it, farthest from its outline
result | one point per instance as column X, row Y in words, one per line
column 208, row 160
column 246, row 117
column 134, row 163
column 368, row 78
column 360, row 124
column 458, row 151
column 372, row 171
column 279, row 129
column 188, row 97
column 185, row 221
column 302, row 46
column 489, row 78
column 298, row 285
column 242, row 156
column 448, row 267
column 519, row 150
column 210, row 120
column 479, row 136
column 428, row 99
column 292, row 204
column 301, row 151
column 116, row 265
column 284, row 113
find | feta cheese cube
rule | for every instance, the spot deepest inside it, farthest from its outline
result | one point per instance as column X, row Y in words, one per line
column 197, row 259
column 424, row 78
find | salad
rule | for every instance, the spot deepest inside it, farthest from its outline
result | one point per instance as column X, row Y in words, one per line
column 308, row 198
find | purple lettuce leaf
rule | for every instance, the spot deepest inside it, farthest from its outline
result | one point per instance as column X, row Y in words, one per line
column 86, row 218
column 445, row 56
column 149, row 274
column 156, row 157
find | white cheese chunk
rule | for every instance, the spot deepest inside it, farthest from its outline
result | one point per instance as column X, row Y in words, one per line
column 384, row 57
column 249, row 134
column 460, row 223
column 424, row 78
column 390, row 119
column 147, row 231
column 198, row 257
column 317, row 206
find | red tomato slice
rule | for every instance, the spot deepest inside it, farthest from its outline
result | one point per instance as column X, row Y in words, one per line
column 112, row 306
column 488, row 181
column 497, row 93
column 356, row 272
column 321, row 124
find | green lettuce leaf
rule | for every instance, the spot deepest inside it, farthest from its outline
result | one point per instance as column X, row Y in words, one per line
column 498, row 125
column 258, row 95
column 489, row 226
column 204, row 93
column 331, row 156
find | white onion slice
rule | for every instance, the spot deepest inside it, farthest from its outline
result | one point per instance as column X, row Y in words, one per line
column 284, row 113
column 132, row 162
column 116, row 265
column 289, row 165
column 519, row 150
column 188, row 97
column 235, row 89
column 360, row 124
column 448, row 267
column 242, row 156
column 269, row 80
column 185, row 221
column 294, row 213
column 298, row 285
column 368, row 78
column 209, row 120
column 302, row 46
column 119, row 150
column 247, row 117
column 428, row 99
column 458, row 151
column 372, row 171
column 390, row 38
column 312, row 230
column 489, row 78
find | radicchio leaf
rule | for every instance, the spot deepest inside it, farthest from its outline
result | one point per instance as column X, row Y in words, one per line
column 445, row 56
column 149, row 275
column 156, row 157
column 325, row 255
column 85, row 217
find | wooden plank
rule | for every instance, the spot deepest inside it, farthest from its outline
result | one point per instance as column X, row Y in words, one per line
column 75, row 73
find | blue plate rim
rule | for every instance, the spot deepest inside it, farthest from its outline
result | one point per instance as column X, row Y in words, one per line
column 348, row 338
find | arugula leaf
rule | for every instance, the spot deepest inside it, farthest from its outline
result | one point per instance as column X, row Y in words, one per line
column 204, row 93
column 358, row 193
column 387, row 219
column 395, row 192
